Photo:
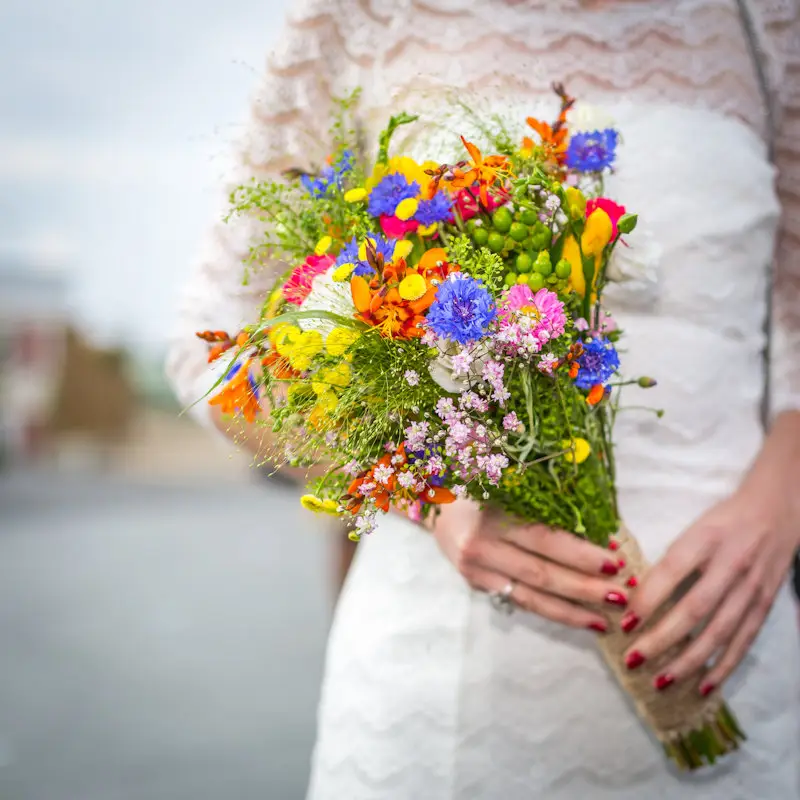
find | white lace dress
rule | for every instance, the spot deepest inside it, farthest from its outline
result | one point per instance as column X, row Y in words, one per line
column 429, row 694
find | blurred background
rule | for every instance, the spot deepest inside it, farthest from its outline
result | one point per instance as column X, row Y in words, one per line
column 158, row 641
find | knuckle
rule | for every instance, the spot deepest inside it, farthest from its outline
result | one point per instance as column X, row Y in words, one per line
column 468, row 554
column 536, row 573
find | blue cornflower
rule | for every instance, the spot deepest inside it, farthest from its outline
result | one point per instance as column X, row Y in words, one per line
column 388, row 194
column 592, row 152
column 437, row 209
column 598, row 362
column 328, row 176
column 349, row 254
column 463, row 309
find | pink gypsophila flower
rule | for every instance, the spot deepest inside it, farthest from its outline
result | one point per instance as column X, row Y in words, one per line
column 298, row 287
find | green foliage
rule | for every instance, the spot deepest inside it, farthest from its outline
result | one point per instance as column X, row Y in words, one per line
column 480, row 262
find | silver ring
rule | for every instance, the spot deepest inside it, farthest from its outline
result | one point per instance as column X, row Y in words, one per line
column 502, row 601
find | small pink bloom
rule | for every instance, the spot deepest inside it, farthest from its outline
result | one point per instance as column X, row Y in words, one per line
column 614, row 211
column 396, row 228
column 298, row 287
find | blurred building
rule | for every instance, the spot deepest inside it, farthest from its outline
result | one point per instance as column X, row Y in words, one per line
column 32, row 343
column 54, row 386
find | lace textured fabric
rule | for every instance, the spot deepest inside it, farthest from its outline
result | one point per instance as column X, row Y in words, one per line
column 428, row 694
column 688, row 52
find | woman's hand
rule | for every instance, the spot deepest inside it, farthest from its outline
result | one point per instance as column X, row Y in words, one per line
column 551, row 570
column 743, row 549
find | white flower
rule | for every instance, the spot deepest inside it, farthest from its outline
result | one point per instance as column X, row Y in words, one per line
column 586, row 118
column 327, row 295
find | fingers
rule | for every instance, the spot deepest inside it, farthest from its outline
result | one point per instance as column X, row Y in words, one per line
column 565, row 548
column 717, row 635
column 544, row 605
column 679, row 622
column 547, row 576
column 736, row 650
column 685, row 556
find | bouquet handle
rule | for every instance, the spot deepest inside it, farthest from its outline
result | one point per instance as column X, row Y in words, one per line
column 693, row 730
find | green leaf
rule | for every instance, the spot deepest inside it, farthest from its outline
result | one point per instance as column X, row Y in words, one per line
column 386, row 135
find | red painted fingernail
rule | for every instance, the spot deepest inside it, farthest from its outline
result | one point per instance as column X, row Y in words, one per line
column 633, row 582
column 609, row 568
column 706, row 688
column 663, row 681
column 634, row 659
column 629, row 622
column 612, row 545
column 621, row 563
column 600, row 627
column 616, row 599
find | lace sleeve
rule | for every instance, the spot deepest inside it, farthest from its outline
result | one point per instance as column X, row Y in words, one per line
column 289, row 115
column 785, row 379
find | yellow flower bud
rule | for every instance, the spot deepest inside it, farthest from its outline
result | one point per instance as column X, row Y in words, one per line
column 412, row 287
column 343, row 271
column 339, row 340
column 355, row 195
column 402, row 249
column 579, row 450
column 576, row 202
column 597, row 233
column 428, row 230
column 323, row 245
column 406, row 208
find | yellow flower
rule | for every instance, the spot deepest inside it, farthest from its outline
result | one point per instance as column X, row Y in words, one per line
column 323, row 245
column 412, row 287
column 355, row 195
column 331, row 378
column 339, row 341
column 576, row 202
column 402, row 249
column 406, row 208
column 579, row 450
column 283, row 337
column 327, row 401
column 311, row 502
column 343, row 271
column 303, row 349
column 316, row 504
column 597, row 233
column 427, row 230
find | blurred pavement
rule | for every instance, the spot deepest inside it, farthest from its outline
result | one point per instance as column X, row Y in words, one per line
column 158, row 641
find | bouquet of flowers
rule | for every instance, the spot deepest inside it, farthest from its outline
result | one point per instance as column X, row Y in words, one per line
column 439, row 332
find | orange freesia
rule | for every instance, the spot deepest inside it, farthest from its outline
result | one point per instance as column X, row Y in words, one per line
column 240, row 395
column 385, row 490
column 483, row 171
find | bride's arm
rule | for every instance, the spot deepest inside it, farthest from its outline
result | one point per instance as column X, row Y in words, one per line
column 288, row 119
column 744, row 546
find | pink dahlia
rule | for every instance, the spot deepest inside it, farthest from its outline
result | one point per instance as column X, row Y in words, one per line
column 298, row 287
column 614, row 211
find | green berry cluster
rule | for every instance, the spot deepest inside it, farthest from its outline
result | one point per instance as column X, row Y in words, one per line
column 523, row 241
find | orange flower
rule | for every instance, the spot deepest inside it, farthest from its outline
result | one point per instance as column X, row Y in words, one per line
column 385, row 490
column 483, row 171
column 596, row 394
column 395, row 300
column 553, row 140
column 240, row 395
column 574, row 368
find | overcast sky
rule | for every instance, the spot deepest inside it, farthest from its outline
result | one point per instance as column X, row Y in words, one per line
column 115, row 124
